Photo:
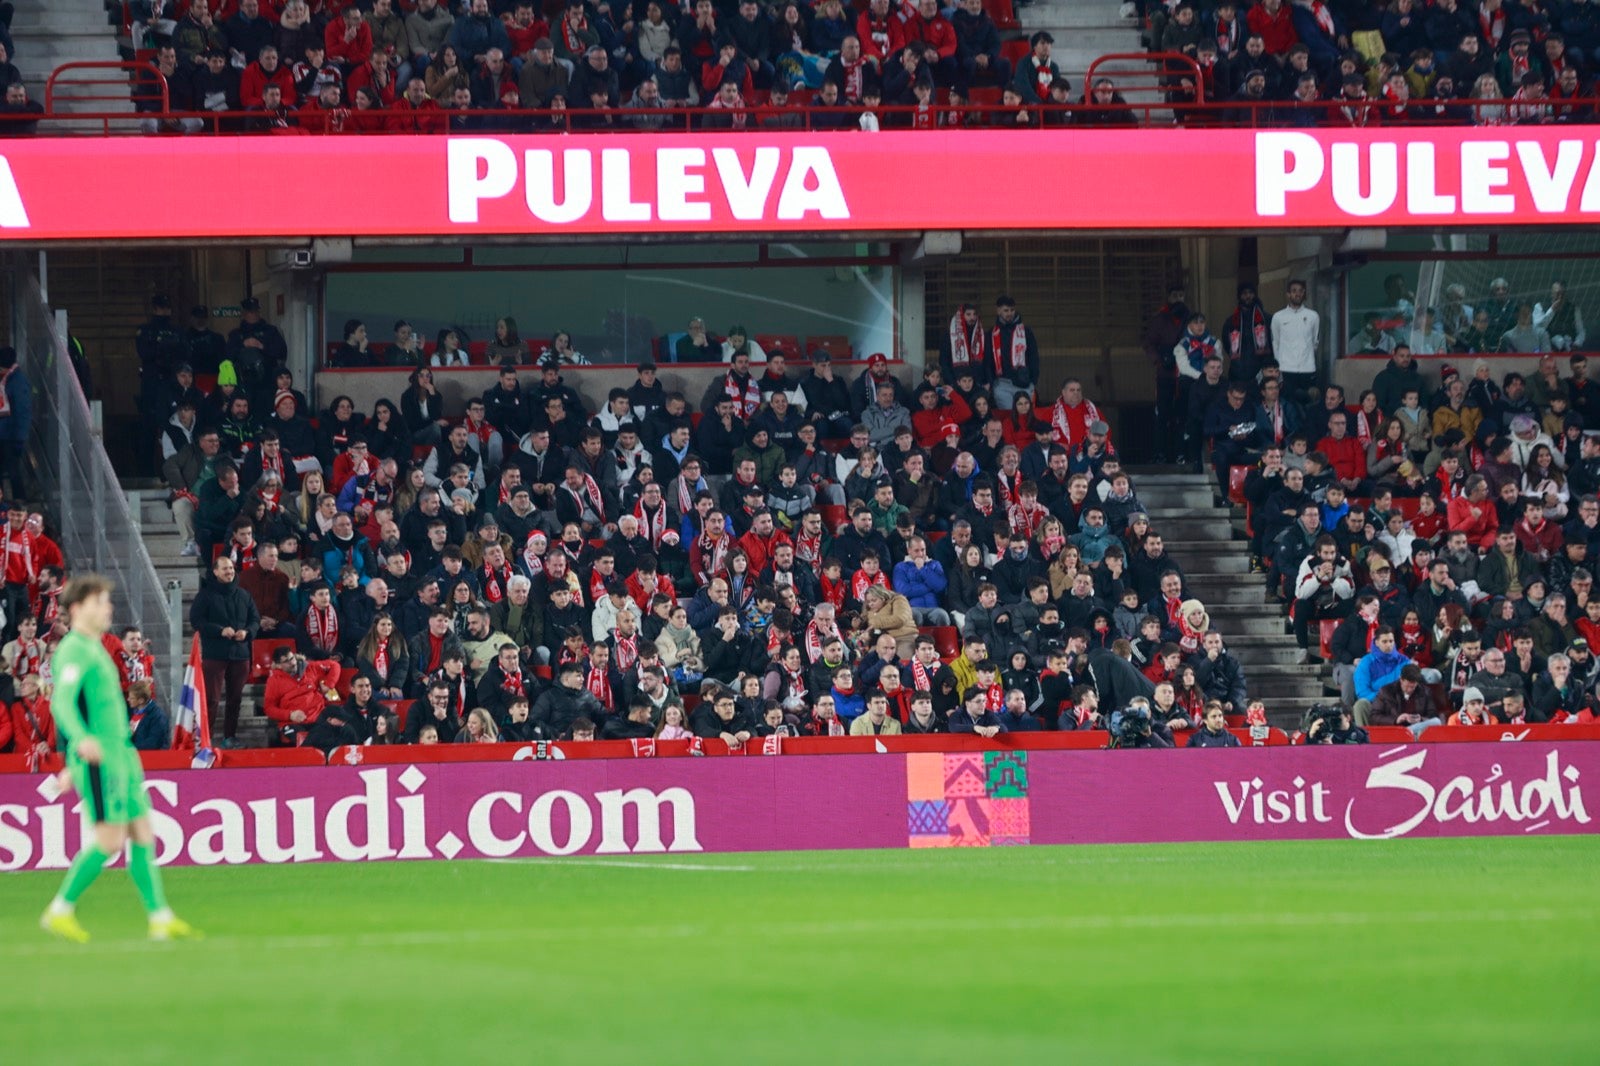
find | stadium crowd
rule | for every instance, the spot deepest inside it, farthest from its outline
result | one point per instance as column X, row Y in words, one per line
column 418, row 66
column 1383, row 62
column 812, row 554
column 1441, row 530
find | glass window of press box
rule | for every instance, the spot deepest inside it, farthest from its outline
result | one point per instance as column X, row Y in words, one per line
column 623, row 303
column 1477, row 293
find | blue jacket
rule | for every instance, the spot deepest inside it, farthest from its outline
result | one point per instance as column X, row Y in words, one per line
column 1092, row 543
column 154, row 731
column 849, row 707
column 921, row 586
column 472, row 37
column 19, row 394
column 1375, row 670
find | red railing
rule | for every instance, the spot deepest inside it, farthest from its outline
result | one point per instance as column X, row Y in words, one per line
column 251, row 758
column 1153, row 75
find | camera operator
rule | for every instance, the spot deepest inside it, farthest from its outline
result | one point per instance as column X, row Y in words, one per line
column 1134, row 728
column 1333, row 725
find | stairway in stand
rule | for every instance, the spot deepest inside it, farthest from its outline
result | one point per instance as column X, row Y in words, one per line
column 161, row 540
column 1208, row 542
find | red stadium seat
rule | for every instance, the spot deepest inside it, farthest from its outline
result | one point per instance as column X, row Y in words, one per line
column 400, row 709
column 836, row 345
column 833, row 516
column 946, row 641
column 1016, row 50
column 544, row 673
column 1004, row 15
column 261, row 656
column 478, row 352
column 787, row 343
column 984, row 95
column 1236, row 476
column 347, row 674
column 246, row 758
column 1325, row 630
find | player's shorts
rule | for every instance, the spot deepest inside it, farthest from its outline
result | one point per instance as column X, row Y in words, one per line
column 113, row 791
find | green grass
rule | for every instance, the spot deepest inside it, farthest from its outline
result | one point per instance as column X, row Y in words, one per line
column 1413, row 951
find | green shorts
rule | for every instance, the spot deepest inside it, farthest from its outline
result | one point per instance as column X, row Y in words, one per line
column 113, row 791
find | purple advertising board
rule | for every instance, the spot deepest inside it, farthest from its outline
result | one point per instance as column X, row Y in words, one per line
column 799, row 802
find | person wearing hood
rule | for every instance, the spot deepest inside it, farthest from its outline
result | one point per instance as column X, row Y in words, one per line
column 1526, row 436
column 180, row 429
column 224, row 616
column 1094, row 535
column 1116, row 680
column 1380, row 666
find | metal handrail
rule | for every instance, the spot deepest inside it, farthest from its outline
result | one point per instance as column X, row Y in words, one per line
column 127, row 69
column 1168, row 65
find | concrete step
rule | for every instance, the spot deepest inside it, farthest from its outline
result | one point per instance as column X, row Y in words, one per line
column 1215, row 595
column 1201, row 498
column 1199, row 526
column 1193, row 551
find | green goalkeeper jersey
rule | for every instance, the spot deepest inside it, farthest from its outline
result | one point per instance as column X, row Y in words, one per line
column 87, row 699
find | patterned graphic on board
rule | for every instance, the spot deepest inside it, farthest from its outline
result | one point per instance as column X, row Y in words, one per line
column 966, row 800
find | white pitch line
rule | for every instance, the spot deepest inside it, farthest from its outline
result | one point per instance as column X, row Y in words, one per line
column 890, row 927
column 1391, row 751
column 625, row 864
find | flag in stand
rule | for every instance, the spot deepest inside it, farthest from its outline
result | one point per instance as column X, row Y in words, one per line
column 192, row 731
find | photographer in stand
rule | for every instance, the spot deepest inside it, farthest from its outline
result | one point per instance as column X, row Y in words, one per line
column 1332, row 724
column 1135, row 729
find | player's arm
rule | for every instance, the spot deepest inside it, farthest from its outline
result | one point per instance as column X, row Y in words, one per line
column 69, row 674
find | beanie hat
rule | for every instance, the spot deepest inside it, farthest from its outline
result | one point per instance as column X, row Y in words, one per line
column 226, row 374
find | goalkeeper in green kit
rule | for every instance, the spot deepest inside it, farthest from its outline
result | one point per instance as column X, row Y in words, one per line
column 92, row 718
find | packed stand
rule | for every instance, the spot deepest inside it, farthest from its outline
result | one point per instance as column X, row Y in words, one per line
column 573, row 65
column 810, row 554
column 1341, row 63
column 1430, row 539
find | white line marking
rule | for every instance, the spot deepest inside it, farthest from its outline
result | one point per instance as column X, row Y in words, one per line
column 1537, row 825
column 1391, row 751
column 624, row 863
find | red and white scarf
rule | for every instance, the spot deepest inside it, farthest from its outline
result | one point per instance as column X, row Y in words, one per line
column 590, row 497
column 921, row 678
column 1018, row 348
column 807, row 549
column 19, row 543
column 511, row 682
column 274, row 464
column 322, row 626
column 862, row 581
column 1492, row 26
column 746, row 397
column 1008, row 485
column 272, row 501
column 380, row 660
column 1324, row 18
column 1188, row 637
column 816, row 637
column 652, row 524
column 966, row 347
column 1258, row 330
column 994, row 699
column 685, row 492
column 1070, row 426
column 495, row 582
column 598, row 681
column 482, row 430
column 1026, row 520
column 797, row 683
column 30, row 658
column 533, row 553
column 714, row 553
column 626, row 650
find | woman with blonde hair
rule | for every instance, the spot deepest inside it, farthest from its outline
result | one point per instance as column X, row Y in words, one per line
column 480, row 728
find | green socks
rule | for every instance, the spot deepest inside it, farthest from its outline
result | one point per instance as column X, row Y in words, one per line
column 81, row 874
column 146, row 878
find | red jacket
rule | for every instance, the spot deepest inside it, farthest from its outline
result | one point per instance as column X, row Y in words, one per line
column 24, row 735
column 936, row 32
column 1276, row 31
column 1348, row 457
column 254, row 80
column 1480, row 530
column 880, row 40
column 287, row 693
column 21, row 555
column 1541, row 543
column 351, row 53
column 426, row 117
column 760, row 549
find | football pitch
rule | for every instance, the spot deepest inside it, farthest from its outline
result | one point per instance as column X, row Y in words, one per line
column 1417, row 951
